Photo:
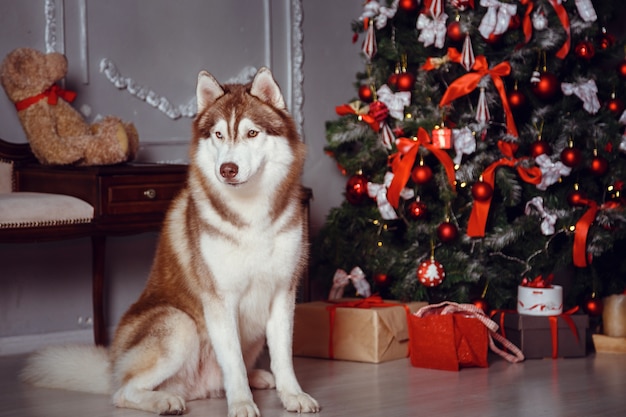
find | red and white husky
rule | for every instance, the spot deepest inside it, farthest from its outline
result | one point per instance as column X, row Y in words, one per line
column 225, row 274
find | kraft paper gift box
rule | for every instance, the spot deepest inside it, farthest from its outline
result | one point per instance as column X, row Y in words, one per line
column 375, row 334
column 561, row 335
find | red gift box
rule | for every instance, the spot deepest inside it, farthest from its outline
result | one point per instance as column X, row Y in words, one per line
column 449, row 336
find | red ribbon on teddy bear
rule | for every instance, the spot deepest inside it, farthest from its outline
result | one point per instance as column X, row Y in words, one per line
column 52, row 94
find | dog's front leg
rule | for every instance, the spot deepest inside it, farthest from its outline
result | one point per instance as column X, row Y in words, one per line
column 221, row 316
column 279, row 342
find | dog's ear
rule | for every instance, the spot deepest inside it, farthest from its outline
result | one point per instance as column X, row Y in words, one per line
column 207, row 91
column 266, row 89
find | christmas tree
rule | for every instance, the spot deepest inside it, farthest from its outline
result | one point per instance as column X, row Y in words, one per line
column 484, row 149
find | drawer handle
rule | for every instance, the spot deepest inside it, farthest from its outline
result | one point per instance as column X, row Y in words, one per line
column 150, row 193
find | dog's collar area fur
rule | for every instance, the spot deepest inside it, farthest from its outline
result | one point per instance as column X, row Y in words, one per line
column 52, row 94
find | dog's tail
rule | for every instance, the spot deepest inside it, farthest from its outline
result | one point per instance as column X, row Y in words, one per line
column 77, row 368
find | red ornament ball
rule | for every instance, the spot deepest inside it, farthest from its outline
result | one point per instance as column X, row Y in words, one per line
column 417, row 210
column 379, row 111
column 382, row 280
column 493, row 39
column 515, row 22
column 392, row 81
column 547, row 87
column 517, row 100
column 455, row 33
column 447, row 232
column 606, row 40
column 365, row 93
column 615, row 106
column 356, row 189
column 594, row 306
column 430, row 273
column 482, row 191
column 621, row 69
column 585, row 50
column 482, row 304
column 405, row 82
column 575, row 198
column 599, row 166
column 421, row 174
column 408, row 6
column 540, row 147
column 571, row 157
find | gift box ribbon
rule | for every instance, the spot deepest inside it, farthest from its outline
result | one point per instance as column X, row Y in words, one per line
column 374, row 301
column 554, row 326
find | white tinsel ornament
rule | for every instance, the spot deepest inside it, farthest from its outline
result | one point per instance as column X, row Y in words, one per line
column 539, row 19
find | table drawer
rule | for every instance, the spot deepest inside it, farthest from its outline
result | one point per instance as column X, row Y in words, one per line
column 139, row 194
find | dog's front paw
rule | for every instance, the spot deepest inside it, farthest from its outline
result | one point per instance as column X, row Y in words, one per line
column 299, row 402
column 243, row 409
column 170, row 404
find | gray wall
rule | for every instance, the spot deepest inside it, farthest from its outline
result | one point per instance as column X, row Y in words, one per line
column 161, row 44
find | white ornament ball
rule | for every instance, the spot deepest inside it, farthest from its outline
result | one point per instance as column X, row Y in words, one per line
column 540, row 21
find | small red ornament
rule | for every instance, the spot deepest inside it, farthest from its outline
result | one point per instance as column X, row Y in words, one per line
column 540, row 147
column 447, row 232
column 585, row 50
column 356, row 189
column 365, row 93
column 482, row 191
column 599, row 166
column 455, row 33
column 606, row 40
column 547, row 87
column 392, row 81
column 417, row 210
column 621, row 69
column 575, row 198
column 430, row 273
column 615, row 106
column 594, row 306
column 379, row 111
column 405, row 82
column 408, row 6
column 571, row 157
column 421, row 174
column 517, row 100
column 482, row 304
column 382, row 280
column 493, row 39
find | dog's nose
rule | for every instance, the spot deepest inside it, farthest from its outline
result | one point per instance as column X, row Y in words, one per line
column 229, row 170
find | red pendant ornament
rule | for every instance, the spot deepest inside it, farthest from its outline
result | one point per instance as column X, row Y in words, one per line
column 356, row 189
column 405, row 81
column 615, row 106
column 599, row 166
column 408, row 6
column 621, row 69
column 546, row 86
column 493, row 39
column 430, row 273
column 382, row 280
column 571, row 157
column 594, row 306
column 421, row 174
column 365, row 93
column 517, row 100
column 482, row 304
column 417, row 210
column 482, row 191
column 379, row 111
column 606, row 40
column 540, row 147
column 447, row 232
column 454, row 32
column 576, row 197
column 585, row 50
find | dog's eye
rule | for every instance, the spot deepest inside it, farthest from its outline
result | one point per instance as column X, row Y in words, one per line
column 252, row 133
column 219, row 135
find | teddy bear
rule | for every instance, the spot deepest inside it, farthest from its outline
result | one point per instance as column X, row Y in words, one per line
column 57, row 133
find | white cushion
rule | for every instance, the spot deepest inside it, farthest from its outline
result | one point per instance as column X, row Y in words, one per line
column 26, row 209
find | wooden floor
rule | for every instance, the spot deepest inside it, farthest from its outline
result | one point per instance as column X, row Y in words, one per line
column 591, row 386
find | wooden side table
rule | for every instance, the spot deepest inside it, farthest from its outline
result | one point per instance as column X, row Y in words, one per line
column 127, row 199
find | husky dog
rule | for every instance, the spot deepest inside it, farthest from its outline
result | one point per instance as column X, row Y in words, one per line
column 225, row 274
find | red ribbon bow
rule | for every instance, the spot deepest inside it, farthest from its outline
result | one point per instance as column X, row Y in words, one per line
column 561, row 13
column 52, row 94
column 579, row 252
column 480, row 209
column 345, row 109
column 402, row 163
column 372, row 301
column 467, row 83
column 432, row 63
